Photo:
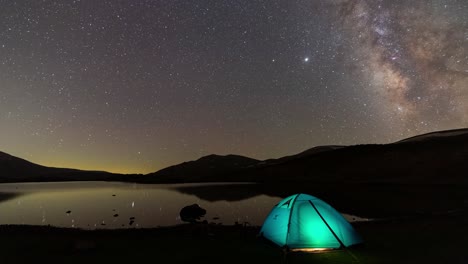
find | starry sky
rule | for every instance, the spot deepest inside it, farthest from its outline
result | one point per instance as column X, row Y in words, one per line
column 135, row 86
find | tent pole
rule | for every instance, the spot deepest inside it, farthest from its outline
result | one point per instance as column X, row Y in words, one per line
column 331, row 230
column 339, row 240
column 289, row 220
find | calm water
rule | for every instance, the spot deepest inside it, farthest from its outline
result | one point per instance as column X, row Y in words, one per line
column 91, row 205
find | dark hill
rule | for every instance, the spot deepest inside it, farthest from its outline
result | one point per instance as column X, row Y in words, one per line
column 432, row 158
column 308, row 152
column 437, row 135
column 439, row 157
column 13, row 169
column 204, row 169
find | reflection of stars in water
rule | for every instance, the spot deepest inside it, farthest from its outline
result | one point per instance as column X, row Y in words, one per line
column 43, row 214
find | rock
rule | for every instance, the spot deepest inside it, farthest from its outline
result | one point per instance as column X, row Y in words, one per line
column 192, row 213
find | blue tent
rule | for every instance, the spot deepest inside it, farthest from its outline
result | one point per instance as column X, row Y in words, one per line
column 304, row 222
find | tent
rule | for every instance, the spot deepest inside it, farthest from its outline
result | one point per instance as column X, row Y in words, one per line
column 304, row 222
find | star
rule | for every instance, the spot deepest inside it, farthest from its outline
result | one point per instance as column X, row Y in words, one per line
column 135, row 83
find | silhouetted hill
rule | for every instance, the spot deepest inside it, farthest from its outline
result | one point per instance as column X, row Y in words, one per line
column 202, row 169
column 314, row 150
column 431, row 158
column 13, row 169
column 439, row 157
column 437, row 135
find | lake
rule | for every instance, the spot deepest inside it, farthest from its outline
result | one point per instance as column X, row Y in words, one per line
column 111, row 205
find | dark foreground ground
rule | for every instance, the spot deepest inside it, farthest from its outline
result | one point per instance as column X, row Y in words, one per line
column 436, row 239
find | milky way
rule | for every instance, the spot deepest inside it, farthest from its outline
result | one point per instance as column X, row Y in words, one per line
column 134, row 86
column 414, row 58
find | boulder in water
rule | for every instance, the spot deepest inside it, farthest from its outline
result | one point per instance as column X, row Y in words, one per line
column 192, row 213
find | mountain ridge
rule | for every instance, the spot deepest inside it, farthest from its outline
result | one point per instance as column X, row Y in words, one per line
column 427, row 157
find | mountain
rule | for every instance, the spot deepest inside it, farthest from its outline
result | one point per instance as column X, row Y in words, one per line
column 14, row 169
column 438, row 157
column 204, row 169
column 229, row 168
column 314, row 150
column 437, row 135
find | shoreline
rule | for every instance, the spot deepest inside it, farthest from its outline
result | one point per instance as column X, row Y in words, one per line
column 437, row 239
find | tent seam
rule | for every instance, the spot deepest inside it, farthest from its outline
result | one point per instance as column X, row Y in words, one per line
column 289, row 219
column 329, row 227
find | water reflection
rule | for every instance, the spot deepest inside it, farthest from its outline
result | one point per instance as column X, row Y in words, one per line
column 8, row 196
column 92, row 205
column 221, row 192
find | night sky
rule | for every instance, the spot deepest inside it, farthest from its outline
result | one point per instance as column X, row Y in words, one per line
column 135, row 86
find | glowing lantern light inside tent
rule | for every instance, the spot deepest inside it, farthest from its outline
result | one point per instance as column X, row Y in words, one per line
column 311, row 250
column 303, row 222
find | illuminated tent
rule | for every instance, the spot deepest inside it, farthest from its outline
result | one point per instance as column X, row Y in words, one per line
column 304, row 222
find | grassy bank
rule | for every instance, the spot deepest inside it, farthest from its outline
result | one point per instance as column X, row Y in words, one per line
column 439, row 239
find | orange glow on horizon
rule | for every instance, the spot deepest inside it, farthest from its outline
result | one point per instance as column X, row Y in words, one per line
column 109, row 164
